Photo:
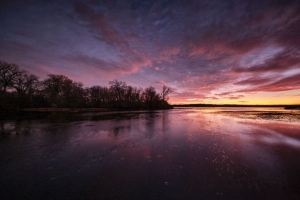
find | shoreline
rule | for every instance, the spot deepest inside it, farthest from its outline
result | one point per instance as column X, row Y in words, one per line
column 236, row 105
column 44, row 112
column 65, row 109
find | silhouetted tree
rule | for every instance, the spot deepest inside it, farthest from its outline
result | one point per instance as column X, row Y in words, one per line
column 25, row 86
column 54, row 88
column 117, row 90
column 32, row 84
column 151, row 98
column 73, row 94
column 18, row 88
column 132, row 97
column 8, row 73
column 164, row 95
column 95, row 96
column 19, row 82
column 105, row 96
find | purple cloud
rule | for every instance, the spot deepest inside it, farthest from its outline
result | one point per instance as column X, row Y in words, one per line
column 201, row 49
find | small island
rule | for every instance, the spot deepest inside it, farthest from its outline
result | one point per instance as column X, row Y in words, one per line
column 296, row 107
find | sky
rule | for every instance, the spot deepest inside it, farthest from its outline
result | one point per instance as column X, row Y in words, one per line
column 220, row 52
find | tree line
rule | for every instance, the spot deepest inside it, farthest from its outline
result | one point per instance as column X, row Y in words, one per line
column 20, row 89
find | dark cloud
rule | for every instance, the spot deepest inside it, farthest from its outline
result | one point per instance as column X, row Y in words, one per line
column 84, row 9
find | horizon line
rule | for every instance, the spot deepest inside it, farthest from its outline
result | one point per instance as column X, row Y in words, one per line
column 206, row 104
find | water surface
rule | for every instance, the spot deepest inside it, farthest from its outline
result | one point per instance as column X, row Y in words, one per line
column 172, row 154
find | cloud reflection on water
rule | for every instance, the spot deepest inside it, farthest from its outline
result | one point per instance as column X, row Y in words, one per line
column 199, row 154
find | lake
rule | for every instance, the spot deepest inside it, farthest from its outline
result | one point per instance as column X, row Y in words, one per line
column 183, row 153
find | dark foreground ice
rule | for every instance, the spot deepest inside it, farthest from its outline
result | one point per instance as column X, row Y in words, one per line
column 173, row 154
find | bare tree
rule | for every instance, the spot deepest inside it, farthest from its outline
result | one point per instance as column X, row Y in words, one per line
column 59, row 90
column 8, row 73
column 105, row 95
column 53, row 88
column 25, row 83
column 31, row 84
column 118, row 89
column 99, row 96
column 19, row 82
column 94, row 96
column 165, row 92
column 150, row 97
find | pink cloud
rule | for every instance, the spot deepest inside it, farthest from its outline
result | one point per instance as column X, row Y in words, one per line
column 282, row 61
column 235, row 97
column 284, row 84
column 253, row 81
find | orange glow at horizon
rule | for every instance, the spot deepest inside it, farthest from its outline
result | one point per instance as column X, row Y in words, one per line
column 288, row 98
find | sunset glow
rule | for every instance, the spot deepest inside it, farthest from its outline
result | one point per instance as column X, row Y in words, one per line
column 216, row 52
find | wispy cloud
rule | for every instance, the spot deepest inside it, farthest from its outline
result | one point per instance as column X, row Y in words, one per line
column 201, row 48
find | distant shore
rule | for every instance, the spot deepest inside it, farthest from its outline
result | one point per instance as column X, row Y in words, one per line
column 292, row 107
column 236, row 105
